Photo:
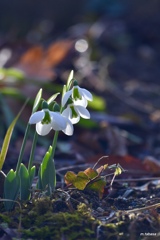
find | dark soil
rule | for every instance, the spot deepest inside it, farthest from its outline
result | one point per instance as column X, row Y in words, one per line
column 123, row 213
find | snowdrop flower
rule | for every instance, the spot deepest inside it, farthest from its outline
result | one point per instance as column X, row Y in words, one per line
column 80, row 96
column 69, row 126
column 46, row 120
column 74, row 112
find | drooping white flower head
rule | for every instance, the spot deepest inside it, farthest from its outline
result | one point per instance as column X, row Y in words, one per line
column 69, row 126
column 80, row 96
column 74, row 112
column 46, row 120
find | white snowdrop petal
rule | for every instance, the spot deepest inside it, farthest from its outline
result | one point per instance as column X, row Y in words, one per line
column 58, row 119
column 79, row 89
column 66, row 97
column 87, row 94
column 81, row 102
column 67, row 112
column 43, row 129
column 75, row 119
column 56, row 126
column 69, row 128
column 36, row 117
column 83, row 112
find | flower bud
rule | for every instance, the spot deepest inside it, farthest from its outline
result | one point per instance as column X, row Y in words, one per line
column 44, row 105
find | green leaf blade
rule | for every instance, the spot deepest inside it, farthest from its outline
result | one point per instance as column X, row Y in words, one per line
column 52, row 98
column 70, row 78
column 98, row 103
column 48, row 172
column 39, row 183
column 11, row 189
column 32, row 174
column 24, row 183
column 7, row 138
column 37, row 101
column 13, row 73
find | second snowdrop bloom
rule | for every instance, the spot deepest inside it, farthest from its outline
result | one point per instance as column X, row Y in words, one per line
column 46, row 120
column 69, row 126
column 80, row 96
column 74, row 112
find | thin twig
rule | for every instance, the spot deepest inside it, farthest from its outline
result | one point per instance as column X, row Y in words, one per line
column 100, row 159
column 156, row 205
column 136, row 179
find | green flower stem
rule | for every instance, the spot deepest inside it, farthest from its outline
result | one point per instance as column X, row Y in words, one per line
column 54, row 143
column 32, row 151
column 22, row 148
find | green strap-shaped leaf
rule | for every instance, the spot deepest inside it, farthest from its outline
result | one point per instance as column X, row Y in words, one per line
column 12, row 72
column 8, row 137
column 70, row 78
column 24, row 183
column 98, row 103
column 2, row 179
column 48, row 173
column 7, row 113
column 39, row 183
column 64, row 90
column 37, row 101
column 11, row 189
column 52, row 98
column 32, row 174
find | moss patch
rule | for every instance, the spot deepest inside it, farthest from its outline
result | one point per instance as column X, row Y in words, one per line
column 79, row 215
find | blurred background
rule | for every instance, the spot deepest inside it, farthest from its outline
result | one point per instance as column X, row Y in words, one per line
column 113, row 48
